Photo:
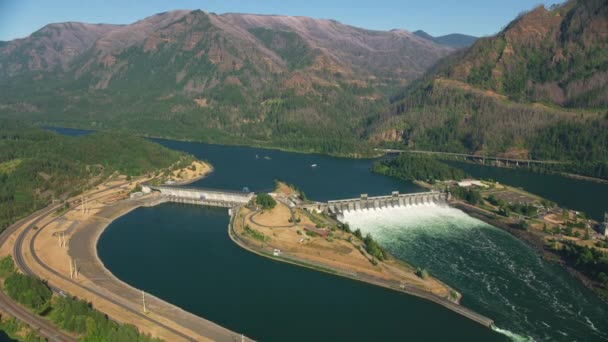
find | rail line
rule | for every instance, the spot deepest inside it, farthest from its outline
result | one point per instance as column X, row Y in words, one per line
column 21, row 263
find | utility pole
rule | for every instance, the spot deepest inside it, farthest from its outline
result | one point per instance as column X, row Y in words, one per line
column 71, row 269
column 143, row 301
column 75, row 269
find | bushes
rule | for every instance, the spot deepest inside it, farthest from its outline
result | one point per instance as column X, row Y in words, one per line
column 67, row 313
column 29, row 291
column 470, row 195
column 422, row 273
column 78, row 316
column 372, row 247
column 7, row 266
column 417, row 167
column 265, row 201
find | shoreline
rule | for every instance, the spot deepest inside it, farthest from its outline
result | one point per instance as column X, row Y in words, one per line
column 531, row 241
column 117, row 300
column 407, row 289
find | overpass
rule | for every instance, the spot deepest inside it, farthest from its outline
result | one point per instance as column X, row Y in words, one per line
column 199, row 196
column 365, row 202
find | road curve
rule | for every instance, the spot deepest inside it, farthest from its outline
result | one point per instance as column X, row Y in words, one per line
column 42, row 326
column 21, row 263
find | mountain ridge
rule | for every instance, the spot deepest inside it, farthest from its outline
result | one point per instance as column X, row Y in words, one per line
column 222, row 78
column 453, row 40
column 538, row 89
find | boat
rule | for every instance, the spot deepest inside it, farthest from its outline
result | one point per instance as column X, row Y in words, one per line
column 313, row 165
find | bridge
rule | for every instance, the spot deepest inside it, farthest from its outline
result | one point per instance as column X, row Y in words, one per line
column 365, row 202
column 482, row 159
column 200, row 196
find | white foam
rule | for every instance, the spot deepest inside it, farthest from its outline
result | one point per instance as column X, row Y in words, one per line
column 513, row 336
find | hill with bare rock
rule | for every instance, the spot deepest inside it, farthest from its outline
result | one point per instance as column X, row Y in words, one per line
column 538, row 89
column 293, row 82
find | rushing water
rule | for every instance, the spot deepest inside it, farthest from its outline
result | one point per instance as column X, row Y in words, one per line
column 183, row 254
column 498, row 275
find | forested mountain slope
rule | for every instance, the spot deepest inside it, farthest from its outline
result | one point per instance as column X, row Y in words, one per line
column 38, row 166
column 293, row 82
column 538, row 89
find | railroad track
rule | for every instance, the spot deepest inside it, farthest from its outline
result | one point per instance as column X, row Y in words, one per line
column 41, row 325
column 44, row 327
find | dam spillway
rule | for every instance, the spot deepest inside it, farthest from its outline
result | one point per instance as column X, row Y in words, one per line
column 200, row 196
column 365, row 202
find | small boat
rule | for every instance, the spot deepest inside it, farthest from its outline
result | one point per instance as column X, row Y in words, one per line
column 313, row 165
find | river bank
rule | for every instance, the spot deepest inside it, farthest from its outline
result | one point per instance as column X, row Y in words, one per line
column 535, row 241
column 408, row 285
column 48, row 260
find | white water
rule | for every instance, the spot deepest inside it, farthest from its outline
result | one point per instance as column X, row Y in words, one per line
column 498, row 275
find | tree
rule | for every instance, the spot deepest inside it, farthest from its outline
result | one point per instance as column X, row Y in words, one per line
column 29, row 291
column 358, row 233
column 265, row 201
column 603, row 278
column 422, row 273
column 6, row 266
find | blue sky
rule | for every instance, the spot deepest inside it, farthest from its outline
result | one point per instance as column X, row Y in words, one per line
column 19, row 18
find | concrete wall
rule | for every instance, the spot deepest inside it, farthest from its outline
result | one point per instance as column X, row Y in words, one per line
column 394, row 200
column 205, row 195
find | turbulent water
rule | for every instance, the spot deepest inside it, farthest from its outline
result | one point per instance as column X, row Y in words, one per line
column 500, row 277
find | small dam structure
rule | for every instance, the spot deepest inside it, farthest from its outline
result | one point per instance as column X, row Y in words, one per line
column 365, row 202
column 199, row 196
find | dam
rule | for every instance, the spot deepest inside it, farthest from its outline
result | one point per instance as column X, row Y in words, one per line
column 365, row 202
column 199, row 196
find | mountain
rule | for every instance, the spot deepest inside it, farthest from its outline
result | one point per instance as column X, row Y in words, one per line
column 454, row 40
column 293, row 82
column 538, row 89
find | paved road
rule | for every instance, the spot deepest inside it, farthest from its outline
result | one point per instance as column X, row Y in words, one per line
column 21, row 263
column 510, row 160
column 43, row 327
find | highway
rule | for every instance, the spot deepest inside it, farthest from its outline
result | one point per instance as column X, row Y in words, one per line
column 508, row 160
column 22, row 264
column 41, row 325
column 46, row 329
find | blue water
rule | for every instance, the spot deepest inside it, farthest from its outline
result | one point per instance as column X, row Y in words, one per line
column 4, row 337
column 183, row 254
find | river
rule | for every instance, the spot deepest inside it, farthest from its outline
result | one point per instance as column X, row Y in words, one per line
column 183, row 254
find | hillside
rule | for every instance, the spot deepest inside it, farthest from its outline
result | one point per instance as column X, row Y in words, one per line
column 453, row 40
column 38, row 166
column 291, row 82
column 538, row 89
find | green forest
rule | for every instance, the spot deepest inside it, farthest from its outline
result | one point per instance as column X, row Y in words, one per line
column 38, row 166
column 411, row 167
column 68, row 313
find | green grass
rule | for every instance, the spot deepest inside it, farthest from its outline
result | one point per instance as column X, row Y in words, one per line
column 255, row 234
column 9, row 166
